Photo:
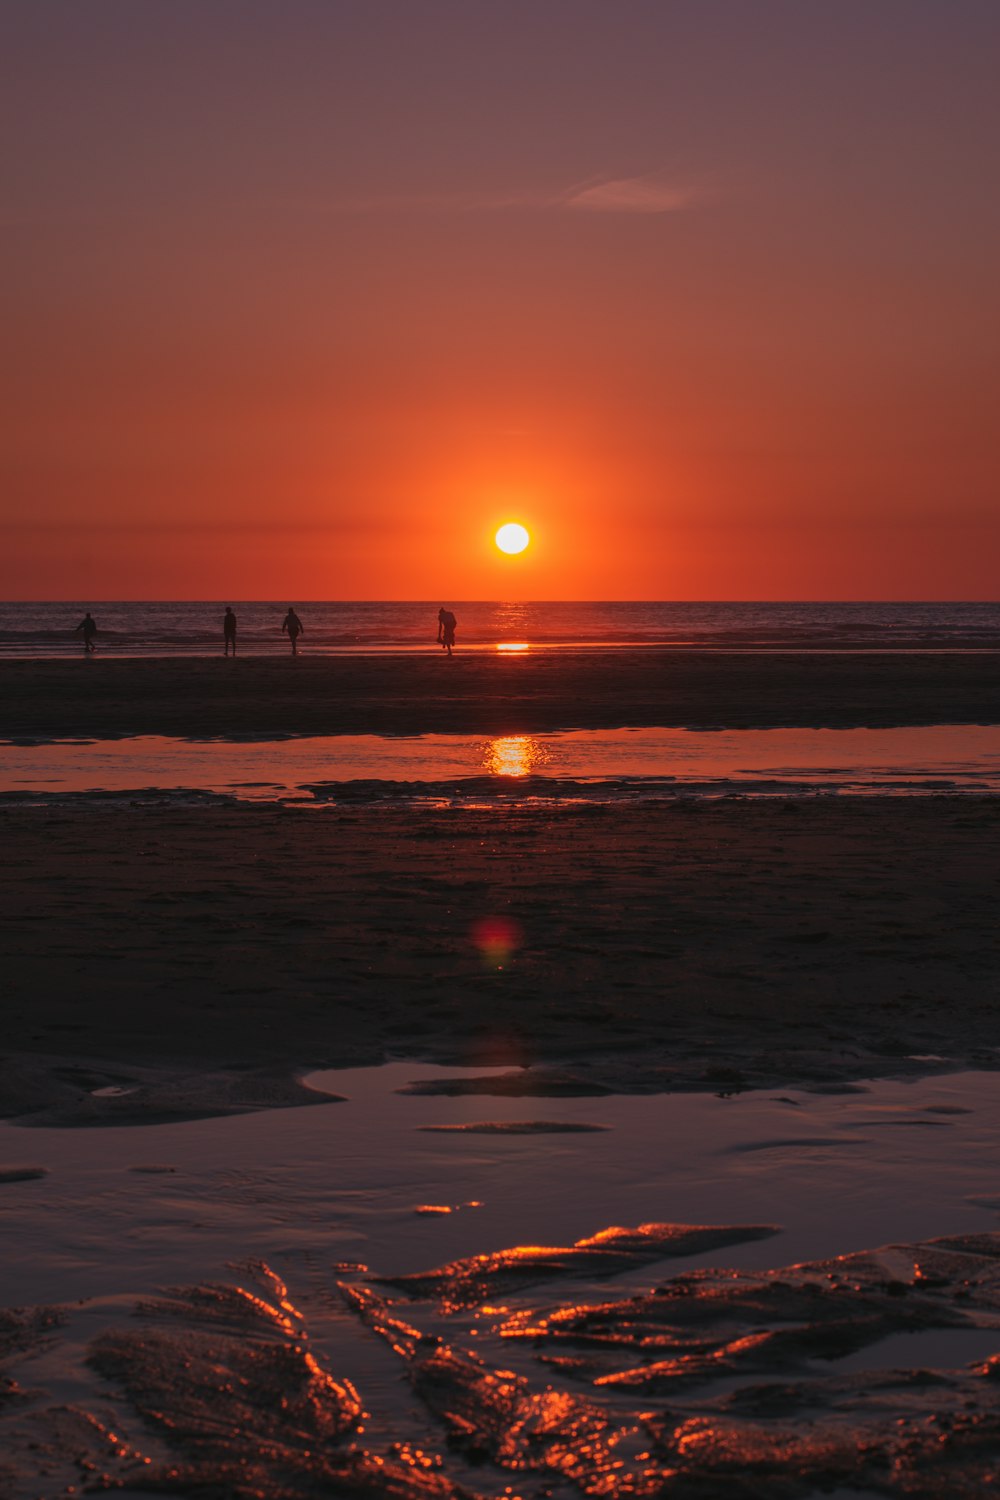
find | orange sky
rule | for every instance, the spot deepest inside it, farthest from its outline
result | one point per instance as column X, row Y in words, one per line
column 304, row 300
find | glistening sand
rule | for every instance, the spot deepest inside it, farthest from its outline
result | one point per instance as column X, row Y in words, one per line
column 320, row 1194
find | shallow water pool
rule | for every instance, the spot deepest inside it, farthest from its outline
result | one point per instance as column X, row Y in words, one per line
column 590, row 764
column 129, row 1206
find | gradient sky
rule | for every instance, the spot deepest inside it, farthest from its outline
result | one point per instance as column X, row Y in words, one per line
column 303, row 298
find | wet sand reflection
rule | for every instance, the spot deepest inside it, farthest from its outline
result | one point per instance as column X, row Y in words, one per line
column 777, row 1374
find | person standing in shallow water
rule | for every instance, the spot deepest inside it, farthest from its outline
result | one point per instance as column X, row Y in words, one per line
column 446, row 629
column 88, row 629
column 229, row 630
column 294, row 628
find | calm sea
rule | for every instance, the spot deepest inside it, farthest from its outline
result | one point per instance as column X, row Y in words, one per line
column 134, row 628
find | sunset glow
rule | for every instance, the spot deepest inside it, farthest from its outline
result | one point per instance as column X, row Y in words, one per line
column 354, row 305
column 499, row 645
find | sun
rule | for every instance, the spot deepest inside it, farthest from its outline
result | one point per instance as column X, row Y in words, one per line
column 512, row 538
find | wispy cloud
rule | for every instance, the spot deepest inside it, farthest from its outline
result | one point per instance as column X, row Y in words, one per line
column 651, row 194
column 629, row 195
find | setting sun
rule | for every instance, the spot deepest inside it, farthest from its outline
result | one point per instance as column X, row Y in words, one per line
column 512, row 538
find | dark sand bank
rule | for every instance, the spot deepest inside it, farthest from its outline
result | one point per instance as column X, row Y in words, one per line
column 715, row 945
column 491, row 693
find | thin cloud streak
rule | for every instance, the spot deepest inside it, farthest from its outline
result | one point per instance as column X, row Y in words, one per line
column 613, row 195
column 629, row 195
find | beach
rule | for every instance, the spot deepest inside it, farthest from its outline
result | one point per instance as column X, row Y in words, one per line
column 494, row 692
column 680, row 942
column 647, row 1131
column 500, row 753
column 212, row 952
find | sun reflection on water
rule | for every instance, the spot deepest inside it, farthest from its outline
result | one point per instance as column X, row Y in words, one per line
column 513, row 755
column 513, row 645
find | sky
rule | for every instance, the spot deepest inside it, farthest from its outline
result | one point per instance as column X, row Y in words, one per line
column 303, row 299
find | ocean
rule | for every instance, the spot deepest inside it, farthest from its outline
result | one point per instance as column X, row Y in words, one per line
column 188, row 628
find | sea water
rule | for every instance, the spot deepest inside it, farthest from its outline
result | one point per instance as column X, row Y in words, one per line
column 192, row 628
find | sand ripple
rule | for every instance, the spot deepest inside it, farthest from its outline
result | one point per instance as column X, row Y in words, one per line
column 214, row 1388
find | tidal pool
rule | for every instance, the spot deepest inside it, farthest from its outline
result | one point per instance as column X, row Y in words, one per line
column 592, row 764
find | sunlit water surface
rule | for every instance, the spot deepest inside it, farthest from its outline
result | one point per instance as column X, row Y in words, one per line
column 143, row 628
column 597, row 764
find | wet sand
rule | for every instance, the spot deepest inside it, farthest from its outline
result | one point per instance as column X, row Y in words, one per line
column 492, row 693
column 688, row 1303
column 166, row 960
column 187, row 960
column 714, row 1382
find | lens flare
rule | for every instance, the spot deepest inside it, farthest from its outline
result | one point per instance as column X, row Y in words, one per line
column 497, row 938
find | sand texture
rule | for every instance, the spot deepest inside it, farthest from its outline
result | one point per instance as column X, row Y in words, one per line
column 486, row 693
column 213, row 1388
column 182, row 960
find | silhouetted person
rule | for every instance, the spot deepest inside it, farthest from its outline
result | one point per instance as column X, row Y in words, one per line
column 446, row 628
column 88, row 628
column 229, row 630
column 293, row 625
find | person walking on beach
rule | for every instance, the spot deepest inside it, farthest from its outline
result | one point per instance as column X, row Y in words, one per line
column 294, row 626
column 88, row 628
column 446, row 629
column 229, row 630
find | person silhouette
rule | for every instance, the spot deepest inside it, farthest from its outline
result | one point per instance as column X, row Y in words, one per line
column 294, row 627
column 446, row 629
column 88, row 628
column 229, row 630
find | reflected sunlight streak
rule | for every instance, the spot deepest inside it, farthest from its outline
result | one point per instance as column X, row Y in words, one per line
column 513, row 755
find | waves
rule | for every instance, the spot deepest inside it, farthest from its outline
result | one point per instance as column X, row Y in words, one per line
column 186, row 628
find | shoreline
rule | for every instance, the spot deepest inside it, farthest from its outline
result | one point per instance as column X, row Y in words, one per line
column 206, row 956
column 46, row 1091
column 481, row 693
